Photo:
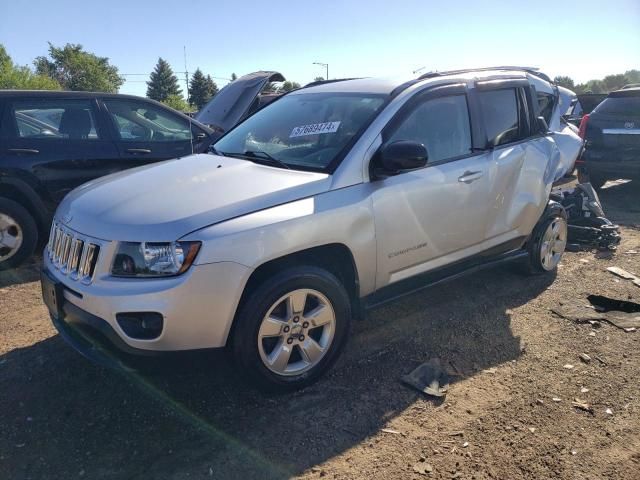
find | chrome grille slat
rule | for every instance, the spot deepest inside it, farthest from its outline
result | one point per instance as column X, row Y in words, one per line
column 71, row 254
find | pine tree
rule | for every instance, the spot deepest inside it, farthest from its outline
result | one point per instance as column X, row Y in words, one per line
column 202, row 89
column 162, row 82
column 234, row 77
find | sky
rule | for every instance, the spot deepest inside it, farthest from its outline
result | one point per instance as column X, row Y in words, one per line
column 583, row 39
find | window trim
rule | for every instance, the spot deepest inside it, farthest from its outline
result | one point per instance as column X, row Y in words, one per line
column 417, row 100
column 12, row 132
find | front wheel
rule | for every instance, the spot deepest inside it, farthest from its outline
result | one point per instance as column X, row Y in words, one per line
column 292, row 328
column 18, row 234
column 547, row 244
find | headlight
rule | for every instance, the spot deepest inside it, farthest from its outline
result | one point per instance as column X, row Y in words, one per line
column 148, row 259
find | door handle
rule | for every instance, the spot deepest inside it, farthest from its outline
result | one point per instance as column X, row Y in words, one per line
column 468, row 177
column 24, row 150
column 142, row 151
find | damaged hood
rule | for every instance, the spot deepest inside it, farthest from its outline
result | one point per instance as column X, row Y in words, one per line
column 232, row 103
column 164, row 202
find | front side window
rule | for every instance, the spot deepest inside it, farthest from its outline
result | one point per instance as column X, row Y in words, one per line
column 500, row 115
column 139, row 121
column 54, row 119
column 307, row 130
column 441, row 125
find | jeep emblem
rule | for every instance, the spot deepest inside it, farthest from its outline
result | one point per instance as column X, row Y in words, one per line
column 629, row 125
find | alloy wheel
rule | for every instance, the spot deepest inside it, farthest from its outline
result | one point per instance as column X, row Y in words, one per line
column 11, row 237
column 553, row 243
column 297, row 332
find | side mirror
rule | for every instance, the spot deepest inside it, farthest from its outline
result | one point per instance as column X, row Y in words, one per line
column 403, row 155
column 543, row 126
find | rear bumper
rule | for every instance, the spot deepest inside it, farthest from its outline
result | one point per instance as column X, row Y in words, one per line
column 611, row 163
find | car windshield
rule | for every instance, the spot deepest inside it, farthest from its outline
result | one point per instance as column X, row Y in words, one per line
column 305, row 131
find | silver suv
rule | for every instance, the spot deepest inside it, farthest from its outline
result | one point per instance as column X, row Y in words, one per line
column 330, row 200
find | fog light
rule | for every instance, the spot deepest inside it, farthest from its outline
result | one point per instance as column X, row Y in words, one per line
column 141, row 325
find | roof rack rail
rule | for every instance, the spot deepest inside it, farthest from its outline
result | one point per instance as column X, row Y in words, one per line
column 322, row 82
column 532, row 70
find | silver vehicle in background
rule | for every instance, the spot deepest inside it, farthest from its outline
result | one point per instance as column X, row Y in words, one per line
column 330, row 200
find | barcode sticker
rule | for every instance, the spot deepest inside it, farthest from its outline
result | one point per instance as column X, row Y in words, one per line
column 315, row 129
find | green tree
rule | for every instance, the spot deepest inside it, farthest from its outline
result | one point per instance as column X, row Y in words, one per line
column 75, row 69
column 177, row 102
column 615, row 82
column 21, row 77
column 162, row 82
column 288, row 86
column 564, row 81
column 234, row 77
column 633, row 76
column 202, row 89
column 318, row 79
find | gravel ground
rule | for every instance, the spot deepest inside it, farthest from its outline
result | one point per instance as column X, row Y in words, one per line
column 189, row 417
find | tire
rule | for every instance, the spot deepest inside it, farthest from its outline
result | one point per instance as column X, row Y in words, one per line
column 272, row 351
column 18, row 234
column 597, row 181
column 547, row 244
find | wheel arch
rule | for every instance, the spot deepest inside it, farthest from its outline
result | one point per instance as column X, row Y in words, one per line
column 336, row 258
column 22, row 193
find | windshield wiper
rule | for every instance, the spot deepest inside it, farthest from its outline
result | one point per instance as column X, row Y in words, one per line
column 265, row 158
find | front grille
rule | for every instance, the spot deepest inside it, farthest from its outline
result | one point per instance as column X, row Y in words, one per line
column 71, row 254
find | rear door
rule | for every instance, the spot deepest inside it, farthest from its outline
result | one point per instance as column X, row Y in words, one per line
column 505, row 118
column 61, row 139
column 146, row 132
column 433, row 216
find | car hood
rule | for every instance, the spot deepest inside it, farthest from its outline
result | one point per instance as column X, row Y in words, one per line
column 165, row 201
column 232, row 103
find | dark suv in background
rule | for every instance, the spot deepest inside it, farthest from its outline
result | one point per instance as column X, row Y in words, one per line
column 51, row 142
column 612, row 138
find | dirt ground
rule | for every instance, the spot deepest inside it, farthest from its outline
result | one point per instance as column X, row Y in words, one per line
column 62, row 417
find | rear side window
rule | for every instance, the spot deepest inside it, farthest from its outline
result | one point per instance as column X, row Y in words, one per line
column 54, row 119
column 503, row 116
column 441, row 125
column 629, row 106
column 545, row 105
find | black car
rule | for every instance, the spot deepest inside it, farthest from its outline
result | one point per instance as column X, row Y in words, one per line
column 612, row 138
column 51, row 142
column 582, row 105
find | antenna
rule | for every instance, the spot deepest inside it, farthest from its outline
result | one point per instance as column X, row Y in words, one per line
column 186, row 79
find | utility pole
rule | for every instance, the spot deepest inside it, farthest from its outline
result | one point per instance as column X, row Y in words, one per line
column 186, row 75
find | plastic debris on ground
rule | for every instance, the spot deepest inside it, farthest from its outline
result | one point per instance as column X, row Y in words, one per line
column 430, row 378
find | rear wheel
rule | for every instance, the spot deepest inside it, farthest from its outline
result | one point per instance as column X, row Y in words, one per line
column 292, row 328
column 547, row 244
column 18, row 234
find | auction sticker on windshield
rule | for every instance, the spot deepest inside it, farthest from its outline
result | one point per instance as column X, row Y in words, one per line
column 315, row 129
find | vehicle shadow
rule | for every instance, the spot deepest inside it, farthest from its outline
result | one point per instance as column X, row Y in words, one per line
column 191, row 415
column 621, row 202
column 26, row 273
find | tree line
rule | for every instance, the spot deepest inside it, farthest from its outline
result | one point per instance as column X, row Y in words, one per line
column 606, row 85
column 72, row 68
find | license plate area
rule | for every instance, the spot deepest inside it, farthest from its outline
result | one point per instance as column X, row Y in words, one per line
column 52, row 294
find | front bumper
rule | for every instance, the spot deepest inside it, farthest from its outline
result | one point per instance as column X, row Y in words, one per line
column 197, row 308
